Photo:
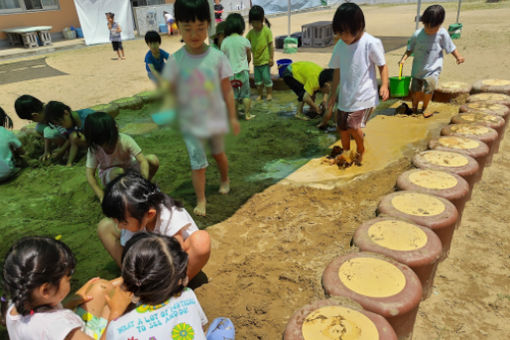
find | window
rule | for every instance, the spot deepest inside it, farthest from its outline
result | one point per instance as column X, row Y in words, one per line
column 19, row 6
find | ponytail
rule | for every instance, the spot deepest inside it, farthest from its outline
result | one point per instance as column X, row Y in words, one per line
column 267, row 22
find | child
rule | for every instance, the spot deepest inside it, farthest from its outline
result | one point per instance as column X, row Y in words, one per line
column 354, row 59
column 115, row 37
column 428, row 44
column 113, row 153
column 36, row 276
column 134, row 204
column 169, row 19
column 218, row 10
column 155, row 57
column 219, row 35
column 202, row 73
column 10, row 147
column 238, row 51
column 73, row 121
column 31, row 108
column 261, row 40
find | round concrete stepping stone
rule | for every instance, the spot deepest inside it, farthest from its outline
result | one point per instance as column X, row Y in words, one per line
column 413, row 245
column 430, row 211
column 129, row 103
column 494, row 122
column 337, row 318
column 492, row 85
column 466, row 146
column 451, row 91
column 454, row 162
column 490, row 98
column 379, row 284
column 149, row 96
column 485, row 134
column 436, row 182
column 495, row 109
column 111, row 109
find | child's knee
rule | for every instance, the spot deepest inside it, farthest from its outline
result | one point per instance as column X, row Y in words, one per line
column 200, row 242
column 153, row 160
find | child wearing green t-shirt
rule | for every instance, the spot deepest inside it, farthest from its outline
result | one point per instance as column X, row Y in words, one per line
column 261, row 40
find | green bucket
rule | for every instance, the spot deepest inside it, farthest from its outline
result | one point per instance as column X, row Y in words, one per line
column 454, row 30
column 290, row 45
column 399, row 87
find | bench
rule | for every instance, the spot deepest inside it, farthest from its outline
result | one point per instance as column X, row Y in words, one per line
column 27, row 35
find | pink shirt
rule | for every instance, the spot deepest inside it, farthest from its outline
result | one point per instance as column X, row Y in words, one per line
column 124, row 155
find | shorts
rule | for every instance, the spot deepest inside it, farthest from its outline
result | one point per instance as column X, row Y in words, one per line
column 352, row 120
column 117, row 45
column 294, row 85
column 94, row 326
column 105, row 174
column 196, row 150
column 426, row 85
column 262, row 75
column 244, row 91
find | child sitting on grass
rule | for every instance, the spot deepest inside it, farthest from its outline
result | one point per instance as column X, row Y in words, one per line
column 60, row 114
column 155, row 57
column 354, row 59
column 238, row 51
column 113, row 153
column 10, row 148
column 134, row 204
column 31, row 108
column 428, row 44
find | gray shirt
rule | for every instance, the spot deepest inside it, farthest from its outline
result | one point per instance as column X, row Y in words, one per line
column 428, row 52
column 114, row 35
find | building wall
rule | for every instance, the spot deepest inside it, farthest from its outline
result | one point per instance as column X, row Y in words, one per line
column 63, row 17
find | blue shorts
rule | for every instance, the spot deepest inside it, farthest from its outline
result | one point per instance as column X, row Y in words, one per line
column 196, row 150
column 262, row 75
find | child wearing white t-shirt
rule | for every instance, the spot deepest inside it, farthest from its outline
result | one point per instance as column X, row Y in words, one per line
column 113, row 153
column 134, row 204
column 354, row 59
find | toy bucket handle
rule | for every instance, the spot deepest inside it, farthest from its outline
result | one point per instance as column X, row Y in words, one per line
column 400, row 72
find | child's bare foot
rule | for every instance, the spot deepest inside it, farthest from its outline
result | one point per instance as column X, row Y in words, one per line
column 269, row 97
column 301, row 116
column 358, row 158
column 249, row 116
column 427, row 114
column 200, row 209
column 224, row 188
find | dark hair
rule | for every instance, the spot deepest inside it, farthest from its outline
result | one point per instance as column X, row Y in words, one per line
column 54, row 112
column 257, row 14
column 152, row 36
column 130, row 192
column 30, row 263
column 349, row 18
column 5, row 120
column 191, row 10
column 325, row 76
column 100, row 129
column 235, row 24
column 433, row 16
column 26, row 105
column 110, row 14
column 154, row 267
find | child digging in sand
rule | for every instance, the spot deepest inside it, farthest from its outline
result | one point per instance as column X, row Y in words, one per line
column 354, row 59
column 428, row 44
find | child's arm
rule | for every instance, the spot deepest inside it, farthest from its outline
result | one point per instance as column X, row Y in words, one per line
column 334, row 86
column 383, row 91
column 91, row 178
column 155, row 73
column 404, row 57
column 144, row 165
column 47, row 154
column 248, row 54
column 458, row 57
column 271, row 53
column 118, row 28
column 58, row 152
column 228, row 96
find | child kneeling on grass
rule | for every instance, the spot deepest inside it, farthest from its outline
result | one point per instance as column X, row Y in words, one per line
column 354, row 59
column 113, row 153
column 134, row 204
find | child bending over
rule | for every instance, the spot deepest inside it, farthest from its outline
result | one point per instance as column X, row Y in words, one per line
column 10, row 148
column 155, row 57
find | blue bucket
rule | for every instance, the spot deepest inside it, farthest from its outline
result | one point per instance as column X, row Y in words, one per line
column 79, row 32
column 163, row 28
column 282, row 65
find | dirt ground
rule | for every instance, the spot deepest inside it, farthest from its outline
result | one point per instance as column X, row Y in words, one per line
column 268, row 258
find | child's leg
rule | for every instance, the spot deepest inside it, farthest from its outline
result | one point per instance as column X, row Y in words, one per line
column 268, row 82
column 118, row 53
column 345, row 137
column 259, row 80
column 122, row 52
column 198, row 248
column 260, row 91
column 198, row 179
column 153, row 165
column 109, row 234
column 198, row 160
column 217, row 145
column 247, row 108
column 360, row 146
column 169, row 27
column 416, row 98
column 77, row 141
column 269, row 91
column 426, row 99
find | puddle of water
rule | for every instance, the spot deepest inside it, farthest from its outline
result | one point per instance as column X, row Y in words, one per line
column 279, row 169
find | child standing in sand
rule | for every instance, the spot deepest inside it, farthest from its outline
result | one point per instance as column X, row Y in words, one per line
column 115, row 37
column 155, row 57
column 261, row 40
column 354, row 59
column 428, row 44
column 200, row 76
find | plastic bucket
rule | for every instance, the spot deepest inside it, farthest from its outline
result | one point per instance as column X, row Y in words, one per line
column 163, row 28
column 282, row 65
column 290, row 45
column 455, row 30
column 399, row 87
column 79, row 32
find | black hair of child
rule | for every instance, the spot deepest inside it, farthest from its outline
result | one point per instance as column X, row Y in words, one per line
column 100, row 129
column 54, row 111
column 30, row 263
column 26, row 104
column 132, row 193
column 192, row 10
column 154, row 267
column 152, row 36
column 235, row 24
column 348, row 18
column 110, row 15
column 325, row 76
column 220, row 29
column 5, row 120
column 433, row 16
column 257, row 14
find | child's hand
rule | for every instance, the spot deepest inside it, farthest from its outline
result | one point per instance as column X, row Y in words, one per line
column 460, row 60
column 80, row 296
column 384, row 93
column 401, row 62
column 236, row 128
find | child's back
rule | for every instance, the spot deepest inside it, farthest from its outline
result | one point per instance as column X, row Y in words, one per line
column 235, row 48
